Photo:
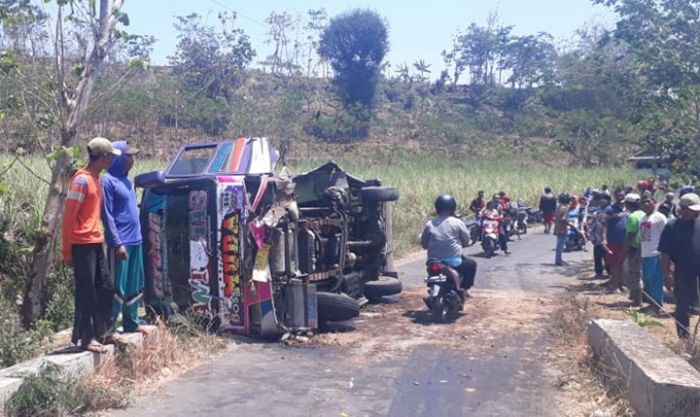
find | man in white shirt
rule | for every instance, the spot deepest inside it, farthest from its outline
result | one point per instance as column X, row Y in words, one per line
column 651, row 226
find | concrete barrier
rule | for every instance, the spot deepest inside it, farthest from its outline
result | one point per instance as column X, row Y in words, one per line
column 77, row 363
column 657, row 382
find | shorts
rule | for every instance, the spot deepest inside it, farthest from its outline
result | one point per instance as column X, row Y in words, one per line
column 548, row 217
column 615, row 258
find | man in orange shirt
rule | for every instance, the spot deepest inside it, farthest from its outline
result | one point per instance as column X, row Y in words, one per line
column 83, row 238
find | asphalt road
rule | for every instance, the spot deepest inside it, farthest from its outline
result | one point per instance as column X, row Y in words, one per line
column 392, row 363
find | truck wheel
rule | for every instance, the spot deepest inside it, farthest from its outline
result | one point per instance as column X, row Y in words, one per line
column 375, row 290
column 379, row 194
column 336, row 307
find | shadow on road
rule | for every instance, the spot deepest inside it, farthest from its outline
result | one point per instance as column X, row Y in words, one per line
column 424, row 317
column 336, row 327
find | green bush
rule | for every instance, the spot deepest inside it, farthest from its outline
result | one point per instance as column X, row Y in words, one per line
column 49, row 393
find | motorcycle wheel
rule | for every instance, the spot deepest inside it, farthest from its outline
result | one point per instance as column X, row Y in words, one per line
column 523, row 229
column 440, row 310
column 489, row 247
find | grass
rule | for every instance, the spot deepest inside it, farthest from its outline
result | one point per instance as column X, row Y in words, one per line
column 52, row 392
column 421, row 178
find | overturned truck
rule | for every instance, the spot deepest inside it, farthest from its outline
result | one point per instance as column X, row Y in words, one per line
column 258, row 253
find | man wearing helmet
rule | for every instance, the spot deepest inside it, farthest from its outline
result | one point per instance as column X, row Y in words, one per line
column 444, row 237
column 668, row 208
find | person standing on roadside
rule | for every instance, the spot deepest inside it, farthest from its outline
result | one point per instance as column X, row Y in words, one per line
column 120, row 215
column 561, row 226
column 680, row 247
column 595, row 231
column 668, row 207
column 632, row 248
column 615, row 232
column 82, row 240
column 548, row 205
column 650, row 229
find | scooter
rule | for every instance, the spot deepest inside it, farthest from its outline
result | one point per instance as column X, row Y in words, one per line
column 444, row 298
column 474, row 228
column 534, row 215
column 574, row 239
column 489, row 235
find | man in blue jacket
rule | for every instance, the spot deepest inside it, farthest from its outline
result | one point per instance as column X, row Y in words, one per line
column 120, row 217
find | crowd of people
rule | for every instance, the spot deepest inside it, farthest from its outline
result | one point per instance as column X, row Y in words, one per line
column 637, row 243
column 98, row 210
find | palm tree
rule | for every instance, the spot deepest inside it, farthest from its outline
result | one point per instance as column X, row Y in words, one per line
column 422, row 67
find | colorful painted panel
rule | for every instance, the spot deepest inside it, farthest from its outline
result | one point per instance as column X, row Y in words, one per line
column 199, row 259
column 232, row 216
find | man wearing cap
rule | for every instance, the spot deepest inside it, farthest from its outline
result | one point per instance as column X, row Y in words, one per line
column 631, row 249
column 680, row 246
column 120, row 217
column 83, row 249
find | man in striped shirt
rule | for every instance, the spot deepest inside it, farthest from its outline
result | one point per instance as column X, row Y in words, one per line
column 83, row 240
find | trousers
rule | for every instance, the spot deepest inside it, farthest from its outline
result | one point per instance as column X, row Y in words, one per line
column 128, row 287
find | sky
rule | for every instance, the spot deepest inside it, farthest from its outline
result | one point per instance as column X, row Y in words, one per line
column 417, row 29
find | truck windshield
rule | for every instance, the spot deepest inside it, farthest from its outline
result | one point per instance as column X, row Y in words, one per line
column 192, row 161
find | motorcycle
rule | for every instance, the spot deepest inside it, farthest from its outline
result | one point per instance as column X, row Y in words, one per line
column 521, row 222
column 474, row 230
column 574, row 239
column 534, row 215
column 489, row 235
column 444, row 297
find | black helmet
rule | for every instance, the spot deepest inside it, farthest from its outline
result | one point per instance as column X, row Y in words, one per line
column 445, row 202
column 564, row 198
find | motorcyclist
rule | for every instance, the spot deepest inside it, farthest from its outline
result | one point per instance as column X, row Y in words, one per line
column 668, row 208
column 444, row 237
column 491, row 212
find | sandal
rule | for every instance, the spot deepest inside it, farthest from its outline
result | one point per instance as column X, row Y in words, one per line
column 95, row 347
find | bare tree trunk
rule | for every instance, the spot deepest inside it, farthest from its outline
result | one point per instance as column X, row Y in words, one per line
column 74, row 105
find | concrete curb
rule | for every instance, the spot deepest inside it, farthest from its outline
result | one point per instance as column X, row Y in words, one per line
column 657, row 382
column 75, row 363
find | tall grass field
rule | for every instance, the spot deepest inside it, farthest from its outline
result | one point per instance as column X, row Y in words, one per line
column 419, row 179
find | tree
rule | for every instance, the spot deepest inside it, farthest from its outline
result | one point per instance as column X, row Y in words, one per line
column 530, row 59
column 208, row 60
column 662, row 39
column 278, row 34
column 74, row 81
column 453, row 60
column 481, row 49
column 588, row 137
column 423, row 68
column 315, row 26
column 355, row 44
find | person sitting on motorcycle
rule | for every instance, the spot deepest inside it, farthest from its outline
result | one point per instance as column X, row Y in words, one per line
column 444, row 237
column 492, row 213
column 574, row 219
column 495, row 203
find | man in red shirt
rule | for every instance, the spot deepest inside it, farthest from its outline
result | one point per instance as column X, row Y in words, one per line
column 83, row 238
column 477, row 204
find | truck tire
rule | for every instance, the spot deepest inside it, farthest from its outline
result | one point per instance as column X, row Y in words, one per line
column 375, row 290
column 379, row 194
column 336, row 307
